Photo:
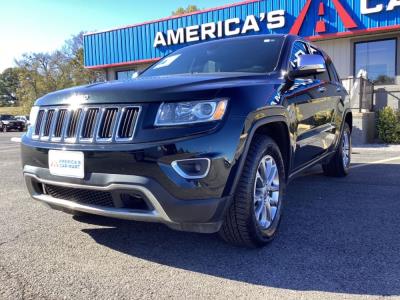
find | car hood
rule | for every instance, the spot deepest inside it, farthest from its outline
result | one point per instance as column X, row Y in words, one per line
column 154, row 89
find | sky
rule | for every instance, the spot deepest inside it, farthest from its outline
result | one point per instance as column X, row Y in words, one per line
column 43, row 25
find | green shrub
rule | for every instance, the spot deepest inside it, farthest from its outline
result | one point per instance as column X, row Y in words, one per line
column 389, row 125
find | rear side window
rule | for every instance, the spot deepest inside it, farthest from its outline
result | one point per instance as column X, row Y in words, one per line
column 333, row 73
column 323, row 76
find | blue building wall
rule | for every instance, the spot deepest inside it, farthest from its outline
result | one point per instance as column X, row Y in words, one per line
column 134, row 44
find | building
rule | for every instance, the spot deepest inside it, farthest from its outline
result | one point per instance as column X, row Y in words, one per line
column 357, row 34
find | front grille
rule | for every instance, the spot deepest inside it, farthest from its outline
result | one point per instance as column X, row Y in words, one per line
column 81, row 196
column 87, row 124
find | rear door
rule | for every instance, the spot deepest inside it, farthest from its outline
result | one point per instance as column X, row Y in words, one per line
column 329, row 112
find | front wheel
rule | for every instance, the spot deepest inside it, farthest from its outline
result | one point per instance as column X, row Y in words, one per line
column 253, row 218
column 339, row 164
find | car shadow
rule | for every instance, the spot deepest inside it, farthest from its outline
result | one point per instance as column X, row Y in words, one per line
column 337, row 235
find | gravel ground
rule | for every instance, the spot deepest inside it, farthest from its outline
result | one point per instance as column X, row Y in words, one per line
column 340, row 238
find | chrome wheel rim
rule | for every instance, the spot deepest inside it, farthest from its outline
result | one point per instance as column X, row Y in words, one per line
column 266, row 192
column 346, row 149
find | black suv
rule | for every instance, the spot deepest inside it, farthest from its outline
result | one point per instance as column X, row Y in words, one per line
column 9, row 122
column 205, row 140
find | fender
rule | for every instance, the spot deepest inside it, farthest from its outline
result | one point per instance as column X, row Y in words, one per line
column 345, row 113
column 250, row 134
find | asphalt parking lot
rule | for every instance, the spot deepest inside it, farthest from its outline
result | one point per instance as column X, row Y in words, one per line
column 340, row 238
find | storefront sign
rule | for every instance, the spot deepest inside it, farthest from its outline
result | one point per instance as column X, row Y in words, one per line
column 230, row 27
column 271, row 20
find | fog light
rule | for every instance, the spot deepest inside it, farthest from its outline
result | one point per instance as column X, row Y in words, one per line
column 195, row 168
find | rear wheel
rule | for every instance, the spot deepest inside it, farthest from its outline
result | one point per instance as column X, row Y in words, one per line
column 339, row 164
column 253, row 218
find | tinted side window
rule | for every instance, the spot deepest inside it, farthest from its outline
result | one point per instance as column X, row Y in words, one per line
column 335, row 72
column 298, row 50
column 323, row 76
column 331, row 71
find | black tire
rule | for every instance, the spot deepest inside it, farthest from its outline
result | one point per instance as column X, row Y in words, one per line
column 336, row 167
column 240, row 226
column 4, row 128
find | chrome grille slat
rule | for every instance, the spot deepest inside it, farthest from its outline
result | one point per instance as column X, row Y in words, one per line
column 38, row 123
column 107, row 123
column 87, row 124
column 48, row 123
column 61, row 116
column 127, row 124
column 125, row 120
column 73, row 125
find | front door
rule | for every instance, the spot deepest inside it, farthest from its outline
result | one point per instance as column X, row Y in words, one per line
column 312, row 113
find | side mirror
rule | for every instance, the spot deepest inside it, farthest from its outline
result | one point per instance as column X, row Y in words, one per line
column 135, row 75
column 308, row 64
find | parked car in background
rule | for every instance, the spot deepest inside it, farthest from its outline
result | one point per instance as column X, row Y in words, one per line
column 24, row 119
column 9, row 122
column 205, row 140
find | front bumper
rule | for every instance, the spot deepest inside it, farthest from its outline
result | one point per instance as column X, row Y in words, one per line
column 14, row 126
column 202, row 215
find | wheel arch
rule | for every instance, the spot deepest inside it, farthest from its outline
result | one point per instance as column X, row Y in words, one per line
column 276, row 127
column 279, row 132
column 348, row 118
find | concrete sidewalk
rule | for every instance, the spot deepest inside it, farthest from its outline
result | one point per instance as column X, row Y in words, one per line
column 377, row 147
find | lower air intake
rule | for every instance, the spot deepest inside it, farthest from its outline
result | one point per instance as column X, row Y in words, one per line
column 80, row 196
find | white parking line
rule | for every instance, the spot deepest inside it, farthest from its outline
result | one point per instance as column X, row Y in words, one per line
column 9, row 146
column 376, row 162
column 16, row 139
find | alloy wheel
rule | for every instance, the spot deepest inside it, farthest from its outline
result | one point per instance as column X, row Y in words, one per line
column 346, row 149
column 266, row 192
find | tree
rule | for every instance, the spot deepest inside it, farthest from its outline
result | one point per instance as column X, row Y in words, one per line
column 9, row 82
column 42, row 73
column 181, row 10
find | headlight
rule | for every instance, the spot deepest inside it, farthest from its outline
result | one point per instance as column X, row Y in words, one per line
column 170, row 114
column 33, row 115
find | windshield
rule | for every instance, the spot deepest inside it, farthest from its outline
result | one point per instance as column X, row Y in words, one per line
column 249, row 55
column 7, row 117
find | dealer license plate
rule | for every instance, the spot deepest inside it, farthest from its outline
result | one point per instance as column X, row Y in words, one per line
column 67, row 163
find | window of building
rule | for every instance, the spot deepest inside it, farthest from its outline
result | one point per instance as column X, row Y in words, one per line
column 378, row 58
column 125, row 75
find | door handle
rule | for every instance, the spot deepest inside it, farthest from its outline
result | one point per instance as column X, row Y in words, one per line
column 322, row 89
column 338, row 89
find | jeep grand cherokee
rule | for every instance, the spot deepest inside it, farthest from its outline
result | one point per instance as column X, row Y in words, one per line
column 205, row 140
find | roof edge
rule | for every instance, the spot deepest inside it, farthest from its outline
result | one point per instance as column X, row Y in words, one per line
column 174, row 17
